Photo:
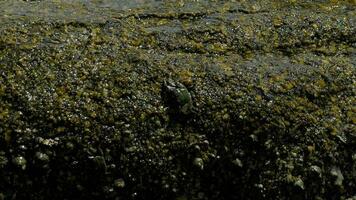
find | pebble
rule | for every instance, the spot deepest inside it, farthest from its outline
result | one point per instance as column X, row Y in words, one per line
column 119, row 183
column 199, row 163
column 339, row 178
column 20, row 162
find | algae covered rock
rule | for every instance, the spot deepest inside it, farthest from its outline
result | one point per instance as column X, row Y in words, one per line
column 177, row 99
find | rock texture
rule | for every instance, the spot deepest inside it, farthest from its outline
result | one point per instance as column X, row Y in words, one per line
column 177, row 100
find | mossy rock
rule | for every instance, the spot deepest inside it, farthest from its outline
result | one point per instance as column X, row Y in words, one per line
column 177, row 100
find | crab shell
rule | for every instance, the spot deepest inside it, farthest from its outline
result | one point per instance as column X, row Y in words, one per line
column 177, row 96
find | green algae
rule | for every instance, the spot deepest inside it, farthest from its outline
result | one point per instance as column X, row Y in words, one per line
column 270, row 90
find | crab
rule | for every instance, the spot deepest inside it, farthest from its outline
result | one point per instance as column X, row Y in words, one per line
column 177, row 97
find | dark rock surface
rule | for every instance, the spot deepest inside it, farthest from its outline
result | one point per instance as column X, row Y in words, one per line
column 177, row 100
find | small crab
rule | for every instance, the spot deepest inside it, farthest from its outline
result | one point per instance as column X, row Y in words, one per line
column 177, row 97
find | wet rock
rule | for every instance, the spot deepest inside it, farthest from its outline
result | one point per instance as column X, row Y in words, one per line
column 69, row 146
column 237, row 162
column 42, row 157
column 3, row 160
column 316, row 170
column 351, row 198
column 336, row 173
column 119, row 183
column 99, row 162
column 271, row 84
column 198, row 162
column 299, row 183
